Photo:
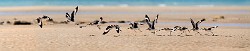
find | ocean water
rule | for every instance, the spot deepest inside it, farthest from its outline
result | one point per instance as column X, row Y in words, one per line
column 124, row 2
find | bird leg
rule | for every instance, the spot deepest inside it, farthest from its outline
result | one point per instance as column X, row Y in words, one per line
column 212, row 33
column 198, row 33
column 139, row 30
column 98, row 26
column 134, row 30
column 189, row 31
column 170, row 33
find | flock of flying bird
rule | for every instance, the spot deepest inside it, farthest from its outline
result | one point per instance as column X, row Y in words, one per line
column 134, row 25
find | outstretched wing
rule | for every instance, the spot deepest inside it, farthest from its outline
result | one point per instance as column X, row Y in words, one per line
column 76, row 9
column 68, row 16
column 40, row 23
column 197, row 25
column 193, row 24
column 147, row 18
column 107, row 30
column 72, row 16
column 153, row 25
column 156, row 18
column 203, row 20
column 148, row 22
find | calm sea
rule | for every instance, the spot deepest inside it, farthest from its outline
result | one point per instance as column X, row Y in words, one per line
column 124, row 2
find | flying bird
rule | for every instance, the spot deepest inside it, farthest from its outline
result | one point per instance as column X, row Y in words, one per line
column 134, row 26
column 210, row 29
column 151, row 24
column 117, row 27
column 97, row 22
column 71, row 17
column 196, row 25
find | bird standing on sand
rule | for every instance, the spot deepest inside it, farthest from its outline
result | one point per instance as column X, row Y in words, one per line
column 110, row 27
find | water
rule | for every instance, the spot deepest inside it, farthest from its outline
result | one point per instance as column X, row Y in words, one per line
column 120, row 12
column 125, row 2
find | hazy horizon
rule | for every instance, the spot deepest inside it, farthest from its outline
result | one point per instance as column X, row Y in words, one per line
column 124, row 3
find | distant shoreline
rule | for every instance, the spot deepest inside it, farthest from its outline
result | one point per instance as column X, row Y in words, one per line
column 114, row 8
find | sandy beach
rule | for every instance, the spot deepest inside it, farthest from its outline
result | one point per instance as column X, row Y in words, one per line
column 232, row 33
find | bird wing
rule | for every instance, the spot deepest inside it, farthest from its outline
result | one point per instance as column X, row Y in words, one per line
column 131, row 24
column 107, row 30
column 40, row 23
column 68, row 16
column 153, row 25
column 203, row 20
column 117, row 29
column 148, row 22
column 156, row 18
column 76, row 9
column 197, row 25
column 38, row 20
column 193, row 24
column 72, row 16
column 146, row 17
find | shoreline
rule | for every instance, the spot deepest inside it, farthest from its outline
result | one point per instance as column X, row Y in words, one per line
column 238, row 14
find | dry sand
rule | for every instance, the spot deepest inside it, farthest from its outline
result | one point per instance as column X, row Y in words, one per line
column 69, row 37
